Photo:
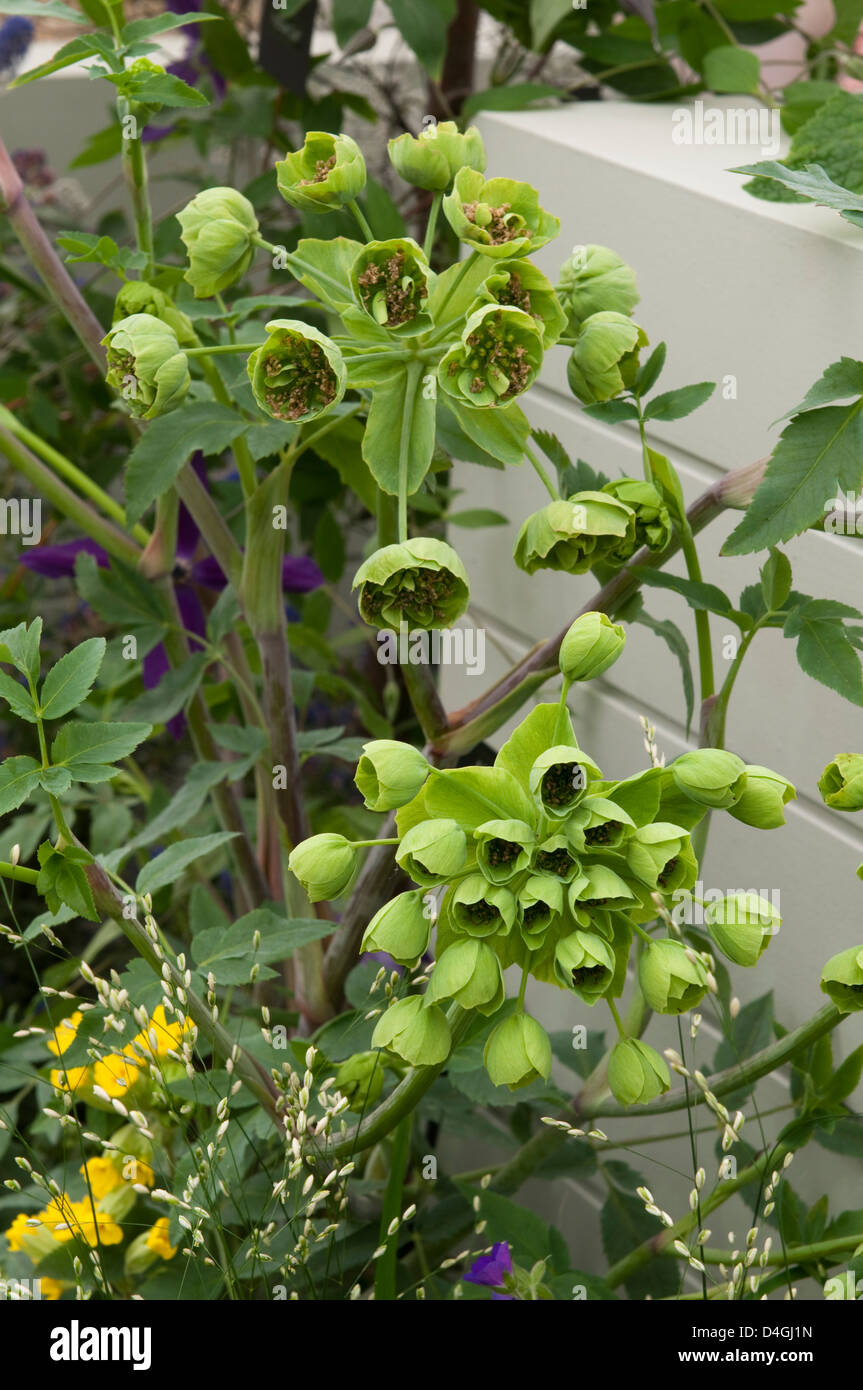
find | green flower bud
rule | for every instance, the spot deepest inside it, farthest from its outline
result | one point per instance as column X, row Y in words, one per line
column 218, row 230
column 498, row 358
column 742, row 926
column 710, row 776
column 298, row 373
column 600, row 886
column 414, row 1031
column 433, row 852
column 604, row 361
column 432, row 159
column 591, row 646
column 584, row 963
column 653, row 526
column 636, row 1073
column 503, row 848
column 556, row 857
column 842, row 979
column 597, row 823
column 146, row 365
column 559, row 778
column 360, row 1079
column 421, row 581
column 402, row 928
column 468, row 972
column 498, row 217
column 517, row 1052
column 764, row 795
column 661, row 856
column 391, row 281
column 139, row 297
column 572, row 535
column 541, row 902
column 326, row 174
column 672, row 978
column 390, row 774
column 522, row 285
column 593, row 280
column 480, row 908
column 325, row 865
column 841, row 782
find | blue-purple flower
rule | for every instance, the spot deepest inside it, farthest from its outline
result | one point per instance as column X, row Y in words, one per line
column 489, row 1270
column 16, row 35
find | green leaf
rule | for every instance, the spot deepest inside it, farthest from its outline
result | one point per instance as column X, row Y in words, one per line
column 324, row 267
column 665, row 477
column 825, row 652
column 818, row 452
column 475, row 517
column 775, row 580
column 452, row 439
column 173, row 692
column 18, row 698
column 423, row 27
column 230, row 954
column 839, row 381
column 62, row 880
column 139, row 29
column 383, row 433
column 43, row 9
column 120, row 595
column 169, row 442
column 502, row 431
column 732, row 69
column 536, row 732
column 101, row 250
column 515, row 96
column 85, row 748
column 70, row 681
column 70, row 53
column 349, row 17
column 612, row 412
column 545, row 16
column 55, row 780
column 183, row 806
column 673, row 405
column 697, row 594
column 472, row 795
column 19, row 646
column 845, row 1079
column 751, row 1031
column 105, row 144
column 157, row 89
column 171, row 863
column 649, row 371
column 18, row 778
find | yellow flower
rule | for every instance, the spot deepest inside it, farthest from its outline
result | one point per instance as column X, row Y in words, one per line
column 101, row 1175
column 157, row 1239
column 58, row 1218
column 141, row 1172
column 115, row 1073
column 168, row 1036
column 71, row 1079
column 103, row 1231
column 19, row 1227
column 50, row 1288
column 64, row 1034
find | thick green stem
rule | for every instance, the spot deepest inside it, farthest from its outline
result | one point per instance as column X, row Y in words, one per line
column 385, row 1269
column 431, row 225
column 135, row 173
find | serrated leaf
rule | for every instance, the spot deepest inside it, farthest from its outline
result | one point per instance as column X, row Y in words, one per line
column 171, row 863
column 19, row 646
column 825, row 652
column 732, row 69
column 70, row 681
column 173, row 692
column 18, row 778
column 230, row 954
column 649, row 371
column 18, row 698
column 775, row 580
column 55, row 780
column 819, row 452
column 169, row 442
column 697, row 594
column 43, row 9
column 674, row 405
column 120, row 594
column 612, row 412
column 157, row 89
column 81, row 745
column 839, row 380
column 70, row 53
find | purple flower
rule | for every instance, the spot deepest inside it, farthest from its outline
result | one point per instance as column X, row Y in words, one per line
column 16, row 35
column 58, row 561
column 489, row 1270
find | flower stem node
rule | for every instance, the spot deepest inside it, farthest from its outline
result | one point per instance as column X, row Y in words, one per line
column 218, row 228
column 636, row 1073
column 325, row 865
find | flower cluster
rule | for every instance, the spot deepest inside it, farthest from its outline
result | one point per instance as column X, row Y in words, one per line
column 595, row 528
column 116, row 1075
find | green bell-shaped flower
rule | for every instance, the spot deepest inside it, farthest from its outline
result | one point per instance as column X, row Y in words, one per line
column 414, row 1031
column 673, row 980
column 498, row 217
column 360, row 1079
column 541, row 902
column 325, row 175
column 764, row 796
column 433, row 852
column 559, row 778
column 503, row 848
column 595, row 280
column 710, row 776
column 146, row 365
column 391, row 280
column 573, row 535
column 402, row 928
column 498, row 357
column 140, row 297
column 842, row 979
column 742, row 925
column 841, row 782
column 653, row 526
column 590, row 647
column 600, row 887
column 432, row 159
column 556, row 858
column 479, row 908
column 421, row 582
column 522, row 285
column 218, row 228
column 468, row 972
column 598, row 823
column 517, row 1052
column 390, row 774
column 661, row 856
column 298, row 373
column 604, row 360
column 636, row 1073
column 325, row 865
column 584, row 963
